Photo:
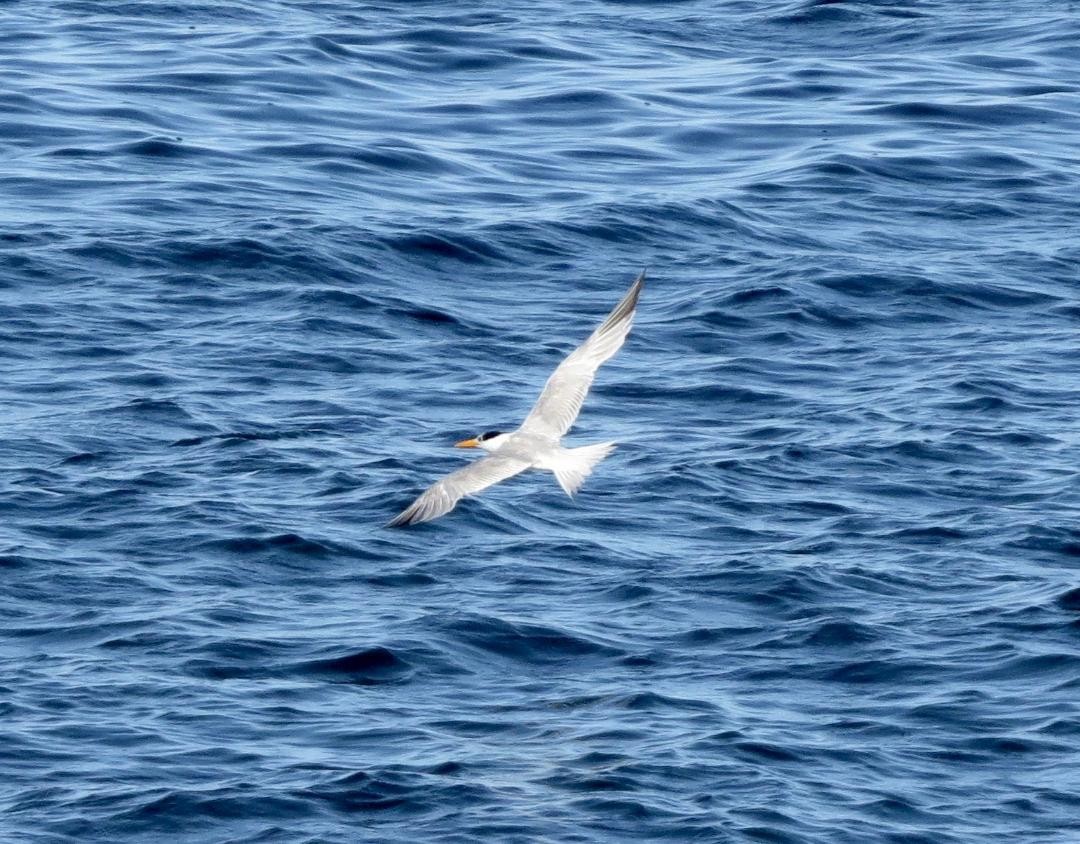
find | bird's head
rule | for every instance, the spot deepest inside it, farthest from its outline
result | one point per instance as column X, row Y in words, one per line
column 489, row 441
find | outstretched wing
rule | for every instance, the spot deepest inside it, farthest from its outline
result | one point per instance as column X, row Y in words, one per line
column 441, row 497
column 564, row 393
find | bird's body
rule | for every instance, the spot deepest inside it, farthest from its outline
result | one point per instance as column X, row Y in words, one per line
column 536, row 444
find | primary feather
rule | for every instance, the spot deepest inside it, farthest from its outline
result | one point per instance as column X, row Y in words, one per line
column 560, row 401
column 441, row 497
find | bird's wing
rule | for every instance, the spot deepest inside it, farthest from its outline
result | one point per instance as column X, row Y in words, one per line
column 564, row 393
column 441, row 497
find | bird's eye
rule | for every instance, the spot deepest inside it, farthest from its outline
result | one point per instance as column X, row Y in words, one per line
column 487, row 435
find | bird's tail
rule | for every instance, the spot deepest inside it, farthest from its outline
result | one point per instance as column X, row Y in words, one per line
column 576, row 464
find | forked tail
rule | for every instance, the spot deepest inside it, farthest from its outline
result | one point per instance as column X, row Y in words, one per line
column 576, row 464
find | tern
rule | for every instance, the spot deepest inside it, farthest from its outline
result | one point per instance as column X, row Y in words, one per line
column 536, row 444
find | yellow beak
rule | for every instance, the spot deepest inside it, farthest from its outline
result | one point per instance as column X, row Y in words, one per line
column 473, row 443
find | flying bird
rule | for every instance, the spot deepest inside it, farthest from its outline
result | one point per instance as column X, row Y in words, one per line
column 536, row 444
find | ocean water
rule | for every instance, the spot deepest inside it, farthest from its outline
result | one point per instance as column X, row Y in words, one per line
column 262, row 263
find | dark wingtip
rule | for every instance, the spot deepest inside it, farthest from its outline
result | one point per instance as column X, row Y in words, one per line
column 627, row 305
column 402, row 519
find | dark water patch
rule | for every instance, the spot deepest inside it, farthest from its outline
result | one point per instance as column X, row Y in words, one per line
column 630, row 593
column 610, row 152
column 331, row 47
column 1049, row 537
column 235, row 437
column 77, row 152
column 622, row 810
column 405, row 159
column 812, row 12
column 346, row 300
column 83, row 457
column 462, row 248
column 165, row 412
column 252, row 660
column 762, row 751
column 653, row 702
column 171, row 148
column 699, row 140
column 840, row 634
column 18, row 561
column 1004, row 746
column 983, row 404
column 403, row 793
column 528, row 643
column 880, row 671
column 476, row 729
column 997, row 62
column 795, row 91
column 290, row 543
column 162, row 814
column 990, row 116
column 755, row 294
column 1070, row 600
column 368, row 667
column 242, row 253
column 402, row 580
column 870, row 284
column 536, row 49
column 822, row 508
column 141, row 641
column 1067, row 727
column 1045, row 667
column 575, row 782
column 711, row 636
column 589, row 100
column 428, row 315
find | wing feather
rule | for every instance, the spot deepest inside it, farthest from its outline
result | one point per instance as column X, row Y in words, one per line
column 442, row 496
column 560, row 401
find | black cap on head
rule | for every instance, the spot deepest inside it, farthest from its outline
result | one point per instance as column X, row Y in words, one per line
column 487, row 435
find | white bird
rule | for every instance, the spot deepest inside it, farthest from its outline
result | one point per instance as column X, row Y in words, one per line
column 535, row 445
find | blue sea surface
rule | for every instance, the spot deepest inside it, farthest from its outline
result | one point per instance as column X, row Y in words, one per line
column 263, row 263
